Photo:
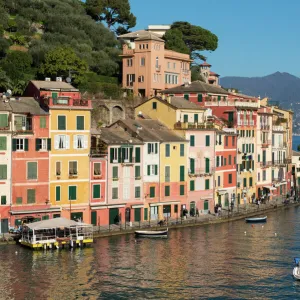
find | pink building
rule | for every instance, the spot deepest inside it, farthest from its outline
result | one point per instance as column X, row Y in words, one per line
column 148, row 67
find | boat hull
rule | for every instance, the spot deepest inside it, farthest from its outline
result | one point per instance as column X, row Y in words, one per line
column 151, row 234
column 256, row 220
column 296, row 273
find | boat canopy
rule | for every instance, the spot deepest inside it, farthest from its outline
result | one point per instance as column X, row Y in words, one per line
column 297, row 260
column 54, row 223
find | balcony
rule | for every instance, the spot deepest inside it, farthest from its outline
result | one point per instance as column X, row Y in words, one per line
column 278, row 128
column 243, row 123
column 158, row 68
column 264, row 127
column 23, row 125
column 73, row 174
column 266, row 143
column 199, row 172
column 282, row 162
column 69, row 102
column 188, row 125
column 265, row 164
column 246, row 104
column 97, row 152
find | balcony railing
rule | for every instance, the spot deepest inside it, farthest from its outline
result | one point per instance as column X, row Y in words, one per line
column 66, row 101
column 96, row 152
column 282, row 162
column 266, row 144
column 198, row 172
column 265, row 164
column 278, row 128
column 189, row 125
column 80, row 102
column 264, row 127
column 246, row 104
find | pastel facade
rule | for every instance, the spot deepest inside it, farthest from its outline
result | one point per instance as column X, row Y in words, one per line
column 148, row 67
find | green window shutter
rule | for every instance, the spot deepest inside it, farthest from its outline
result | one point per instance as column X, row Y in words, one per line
column 230, row 116
column 137, row 192
column 245, row 182
column 3, row 172
column 167, row 150
column 54, row 95
column 218, row 161
column 30, row 196
column 185, row 118
column 3, row 144
column 26, row 144
column 229, row 160
column 149, row 148
column 156, row 169
column 14, row 144
column 80, row 122
column 96, row 191
column 61, row 122
column 167, row 190
column 42, row 122
column 195, row 118
column 49, row 144
column 154, row 105
column 250, row 181
column 192, row 185
column 207, row 184
column 181, row 190
column 192, row 166
column 3, row 120
column 186, row 96
column 130, row 154
column 137, row 154
column 148, row 170
column 111, row 155
column 182, row 177
column 207, row 140
column 3, row 200
column 219, row 98
column 247, row 150
column 123, row 154
column 192, row 140
column 207, row 167
column 229, row 178
column 252, row 148
column 137, row 171
column 156, row 148
column 181, row 149
column 38, row 144
column 199, row 97
column 115, row 193
column 94, row 218
column 145, row 214
column 152, row 192
column 32, row 170
column 115, row 172
column 19, row 200
column 119, row 155
column 72, row 192
column 57, row 193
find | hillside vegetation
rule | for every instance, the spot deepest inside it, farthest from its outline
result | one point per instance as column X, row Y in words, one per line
column 54, row 38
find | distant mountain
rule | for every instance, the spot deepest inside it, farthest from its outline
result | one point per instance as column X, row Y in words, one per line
column 280, row 87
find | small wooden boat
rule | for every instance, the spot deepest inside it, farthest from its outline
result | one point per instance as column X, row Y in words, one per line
column 296, row 270
column 256, row 220
column 151, row 233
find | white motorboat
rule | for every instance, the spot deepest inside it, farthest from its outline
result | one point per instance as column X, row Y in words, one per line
column 296, row 270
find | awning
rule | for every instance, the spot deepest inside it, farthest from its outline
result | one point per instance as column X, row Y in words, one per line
column 137, row 206
column 164, row 203
column 23, row 212
column 271, row 188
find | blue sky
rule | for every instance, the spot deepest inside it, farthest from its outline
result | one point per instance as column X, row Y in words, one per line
column 256, row 37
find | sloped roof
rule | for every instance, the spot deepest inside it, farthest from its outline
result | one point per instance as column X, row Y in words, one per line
column 152, row 130
column 196, row 87
column 27, row 105
column 205, row 64
column 49, row 85
column 149, row 36
column 4, row 106
column 137, row 34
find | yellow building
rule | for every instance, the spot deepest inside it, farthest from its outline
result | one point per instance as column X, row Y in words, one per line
column 69, row 157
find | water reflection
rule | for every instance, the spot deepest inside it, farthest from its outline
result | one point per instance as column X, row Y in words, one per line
column 218, row 261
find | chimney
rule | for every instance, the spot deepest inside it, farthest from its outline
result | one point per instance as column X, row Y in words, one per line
column 169, row 99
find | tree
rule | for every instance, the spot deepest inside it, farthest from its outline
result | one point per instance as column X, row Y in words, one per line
column 5, row 82
column 114, row 13
column 298, row 148
column 194, row 37
column 174, row 41
column 61, row 61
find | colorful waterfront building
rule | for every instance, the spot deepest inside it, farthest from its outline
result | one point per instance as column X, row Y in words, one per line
column 69, row 172
column 31, row 145
column 148, row 67
column 296, row 171
column 124, row 187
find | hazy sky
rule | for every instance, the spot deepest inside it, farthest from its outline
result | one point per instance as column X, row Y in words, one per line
column 256, row 37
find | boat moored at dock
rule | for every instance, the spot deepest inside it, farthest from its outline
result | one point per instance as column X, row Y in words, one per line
column 256, row 220
column 151, row 233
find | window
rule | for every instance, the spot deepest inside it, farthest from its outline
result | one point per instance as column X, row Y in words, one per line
column 152, row 148
column 192, row 140
column 129, row 62
column 192, row 185
column 182, row 177
column 3, row 144
column 20, row 145
column 137, row 172
column 115, row 172
column 126, row 154
column 72, row 167
column 195, row 118
column 80, row 142
column 176, row 208
column 57, row 193
column 233, row 141
column 264, row 175
column 42, row 144
column 61, row 122
column 226, row 140
column 185, row 118
column 225, row 161
column 58, row 168
column 3, row 200
column 142, row 61
column 186, row 96
column 80, row 122
column 167, row 190
column 258, row 176
column 229, row 178
column 3, row 171
column 207, row 184
column 250, row 181
column 181, row 150
column 245, row 182
column 137, row 154
column 167, row 150
column 43, row 122
column 219, row 180
column 130, row 79
column 115, row 193
column 229, row 160
column 167, row 173
column 207, row 140
column 141, row 78
column 145, row 214
column 30, row 196
column 181, row 190
column 19, row 200
column 192, row 166
column 137, row 192
column 97, row 169
column 115, row 154
column 72, row 192
column 61, row 142
column 96, row 191
column 154, row 105
column 3, row 120
column 152, row 170
column 31, row 170
column 199, row 97
column 156, row 62
column 152, row 191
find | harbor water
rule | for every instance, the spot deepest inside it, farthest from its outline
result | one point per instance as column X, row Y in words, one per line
column 231, row 260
